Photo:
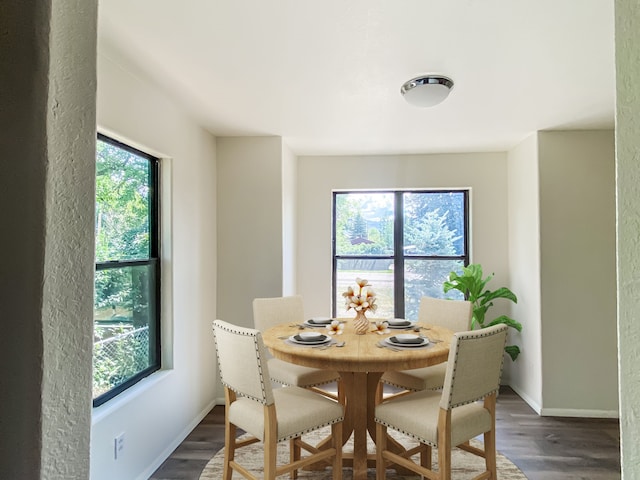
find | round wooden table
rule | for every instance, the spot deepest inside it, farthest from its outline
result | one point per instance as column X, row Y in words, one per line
column 360, row 363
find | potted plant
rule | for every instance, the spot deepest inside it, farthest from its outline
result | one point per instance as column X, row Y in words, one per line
column 472, row 286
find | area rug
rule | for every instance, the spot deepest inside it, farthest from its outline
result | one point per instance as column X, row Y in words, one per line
column 465, row 465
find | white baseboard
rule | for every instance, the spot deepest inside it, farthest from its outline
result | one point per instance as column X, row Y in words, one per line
column 577, row 412
column 532, row 403
column 177, row 441
column 564, row 412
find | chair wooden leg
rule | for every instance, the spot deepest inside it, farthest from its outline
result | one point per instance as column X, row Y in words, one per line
column 381, row 446
column 490, row 439
column 270, row 443
column 425, row 457
column 444, row 444
column 490, row 454
column 336, row 440
column 229, row 436
column 270, row 448
column 229, row 451
column 294, row 454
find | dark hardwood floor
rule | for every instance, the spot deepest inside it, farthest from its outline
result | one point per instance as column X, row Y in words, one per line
column 556, row 448
column 544, row 448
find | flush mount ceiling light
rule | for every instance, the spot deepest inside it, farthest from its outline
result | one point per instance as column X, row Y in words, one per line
column 426, row 90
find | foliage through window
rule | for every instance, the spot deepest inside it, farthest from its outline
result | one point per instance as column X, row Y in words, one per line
column 127, row 278
column 404, row 242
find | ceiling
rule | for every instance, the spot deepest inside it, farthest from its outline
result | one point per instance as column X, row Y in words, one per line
column 326, row 74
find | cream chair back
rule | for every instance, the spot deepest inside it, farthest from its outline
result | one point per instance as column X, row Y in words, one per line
column 474, row 367
column 250, row 377
column 452, row 314
column 268, row 312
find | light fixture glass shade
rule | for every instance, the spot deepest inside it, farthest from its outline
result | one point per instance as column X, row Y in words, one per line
column 427, row 90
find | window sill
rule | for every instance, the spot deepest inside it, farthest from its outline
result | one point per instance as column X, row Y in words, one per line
column 129, row 395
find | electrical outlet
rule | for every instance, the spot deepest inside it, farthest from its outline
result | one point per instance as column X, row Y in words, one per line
column 118, row 446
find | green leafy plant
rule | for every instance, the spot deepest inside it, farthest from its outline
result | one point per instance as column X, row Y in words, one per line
column 473, row 287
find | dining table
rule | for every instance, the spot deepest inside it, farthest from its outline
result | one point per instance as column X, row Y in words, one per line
column 361, row 361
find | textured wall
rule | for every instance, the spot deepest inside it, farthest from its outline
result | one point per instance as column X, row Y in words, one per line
column 22, row 197
column 47, row 155
column 67, row 307
column 628, row 206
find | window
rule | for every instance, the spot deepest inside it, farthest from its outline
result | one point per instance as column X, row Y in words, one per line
column 127, row 278
column 404, row 242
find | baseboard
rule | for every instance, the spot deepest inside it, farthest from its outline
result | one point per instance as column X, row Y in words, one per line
column 576, row 412
column 177, row 441
column 564, row 412
column 532, row 403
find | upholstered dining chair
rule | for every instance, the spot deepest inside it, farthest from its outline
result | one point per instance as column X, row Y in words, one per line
column 452, row 314
column 268, row 312
column 453, row 416
column 267, row 414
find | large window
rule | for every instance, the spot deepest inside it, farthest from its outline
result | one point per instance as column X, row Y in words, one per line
column 404, row 242
column 127, row 278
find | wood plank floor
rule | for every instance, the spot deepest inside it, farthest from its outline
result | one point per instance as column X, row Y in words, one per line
column 544, row 448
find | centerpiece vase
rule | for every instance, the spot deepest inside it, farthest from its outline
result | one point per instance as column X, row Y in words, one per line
column 360, row 323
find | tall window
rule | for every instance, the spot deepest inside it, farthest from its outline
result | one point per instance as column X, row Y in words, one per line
column 404, row 242
column 127, row 278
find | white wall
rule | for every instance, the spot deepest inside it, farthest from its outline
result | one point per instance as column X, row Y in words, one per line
column 628, row 219
column 524, row 266
column 578, row 273
column 158, row 412
column 562, row 254
column 250, row 224
column 484, row 173
column 289, row 215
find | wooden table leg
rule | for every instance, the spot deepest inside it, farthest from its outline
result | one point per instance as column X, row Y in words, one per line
column 360, row 399
column 360, row 388
column 373, row 380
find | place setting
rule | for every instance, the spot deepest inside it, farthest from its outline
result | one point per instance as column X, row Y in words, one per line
column 332, row 324
column 400, row 323
column 404, row 324
column 313, row 340
column 405, row 341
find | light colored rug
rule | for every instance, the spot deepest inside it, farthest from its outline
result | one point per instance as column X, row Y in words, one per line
column 465, row 465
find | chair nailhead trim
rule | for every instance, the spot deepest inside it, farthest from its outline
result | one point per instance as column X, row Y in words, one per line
column 312, row 429
column 306, row 385
column 256, row 344
column 401, row 386
column 475, row 334
column 412, row 435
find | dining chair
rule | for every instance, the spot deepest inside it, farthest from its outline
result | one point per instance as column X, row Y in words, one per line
column 452, row 314
column 268, row 312
column 270, row 415
column 453, row 416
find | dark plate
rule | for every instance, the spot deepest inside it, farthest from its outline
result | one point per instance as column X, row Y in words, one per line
column 310, row 341
column 312, row 321
column 410, row 343
column 405, row 324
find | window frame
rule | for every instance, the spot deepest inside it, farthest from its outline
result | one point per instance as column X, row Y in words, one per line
column 398, row 256
column 153, row 261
